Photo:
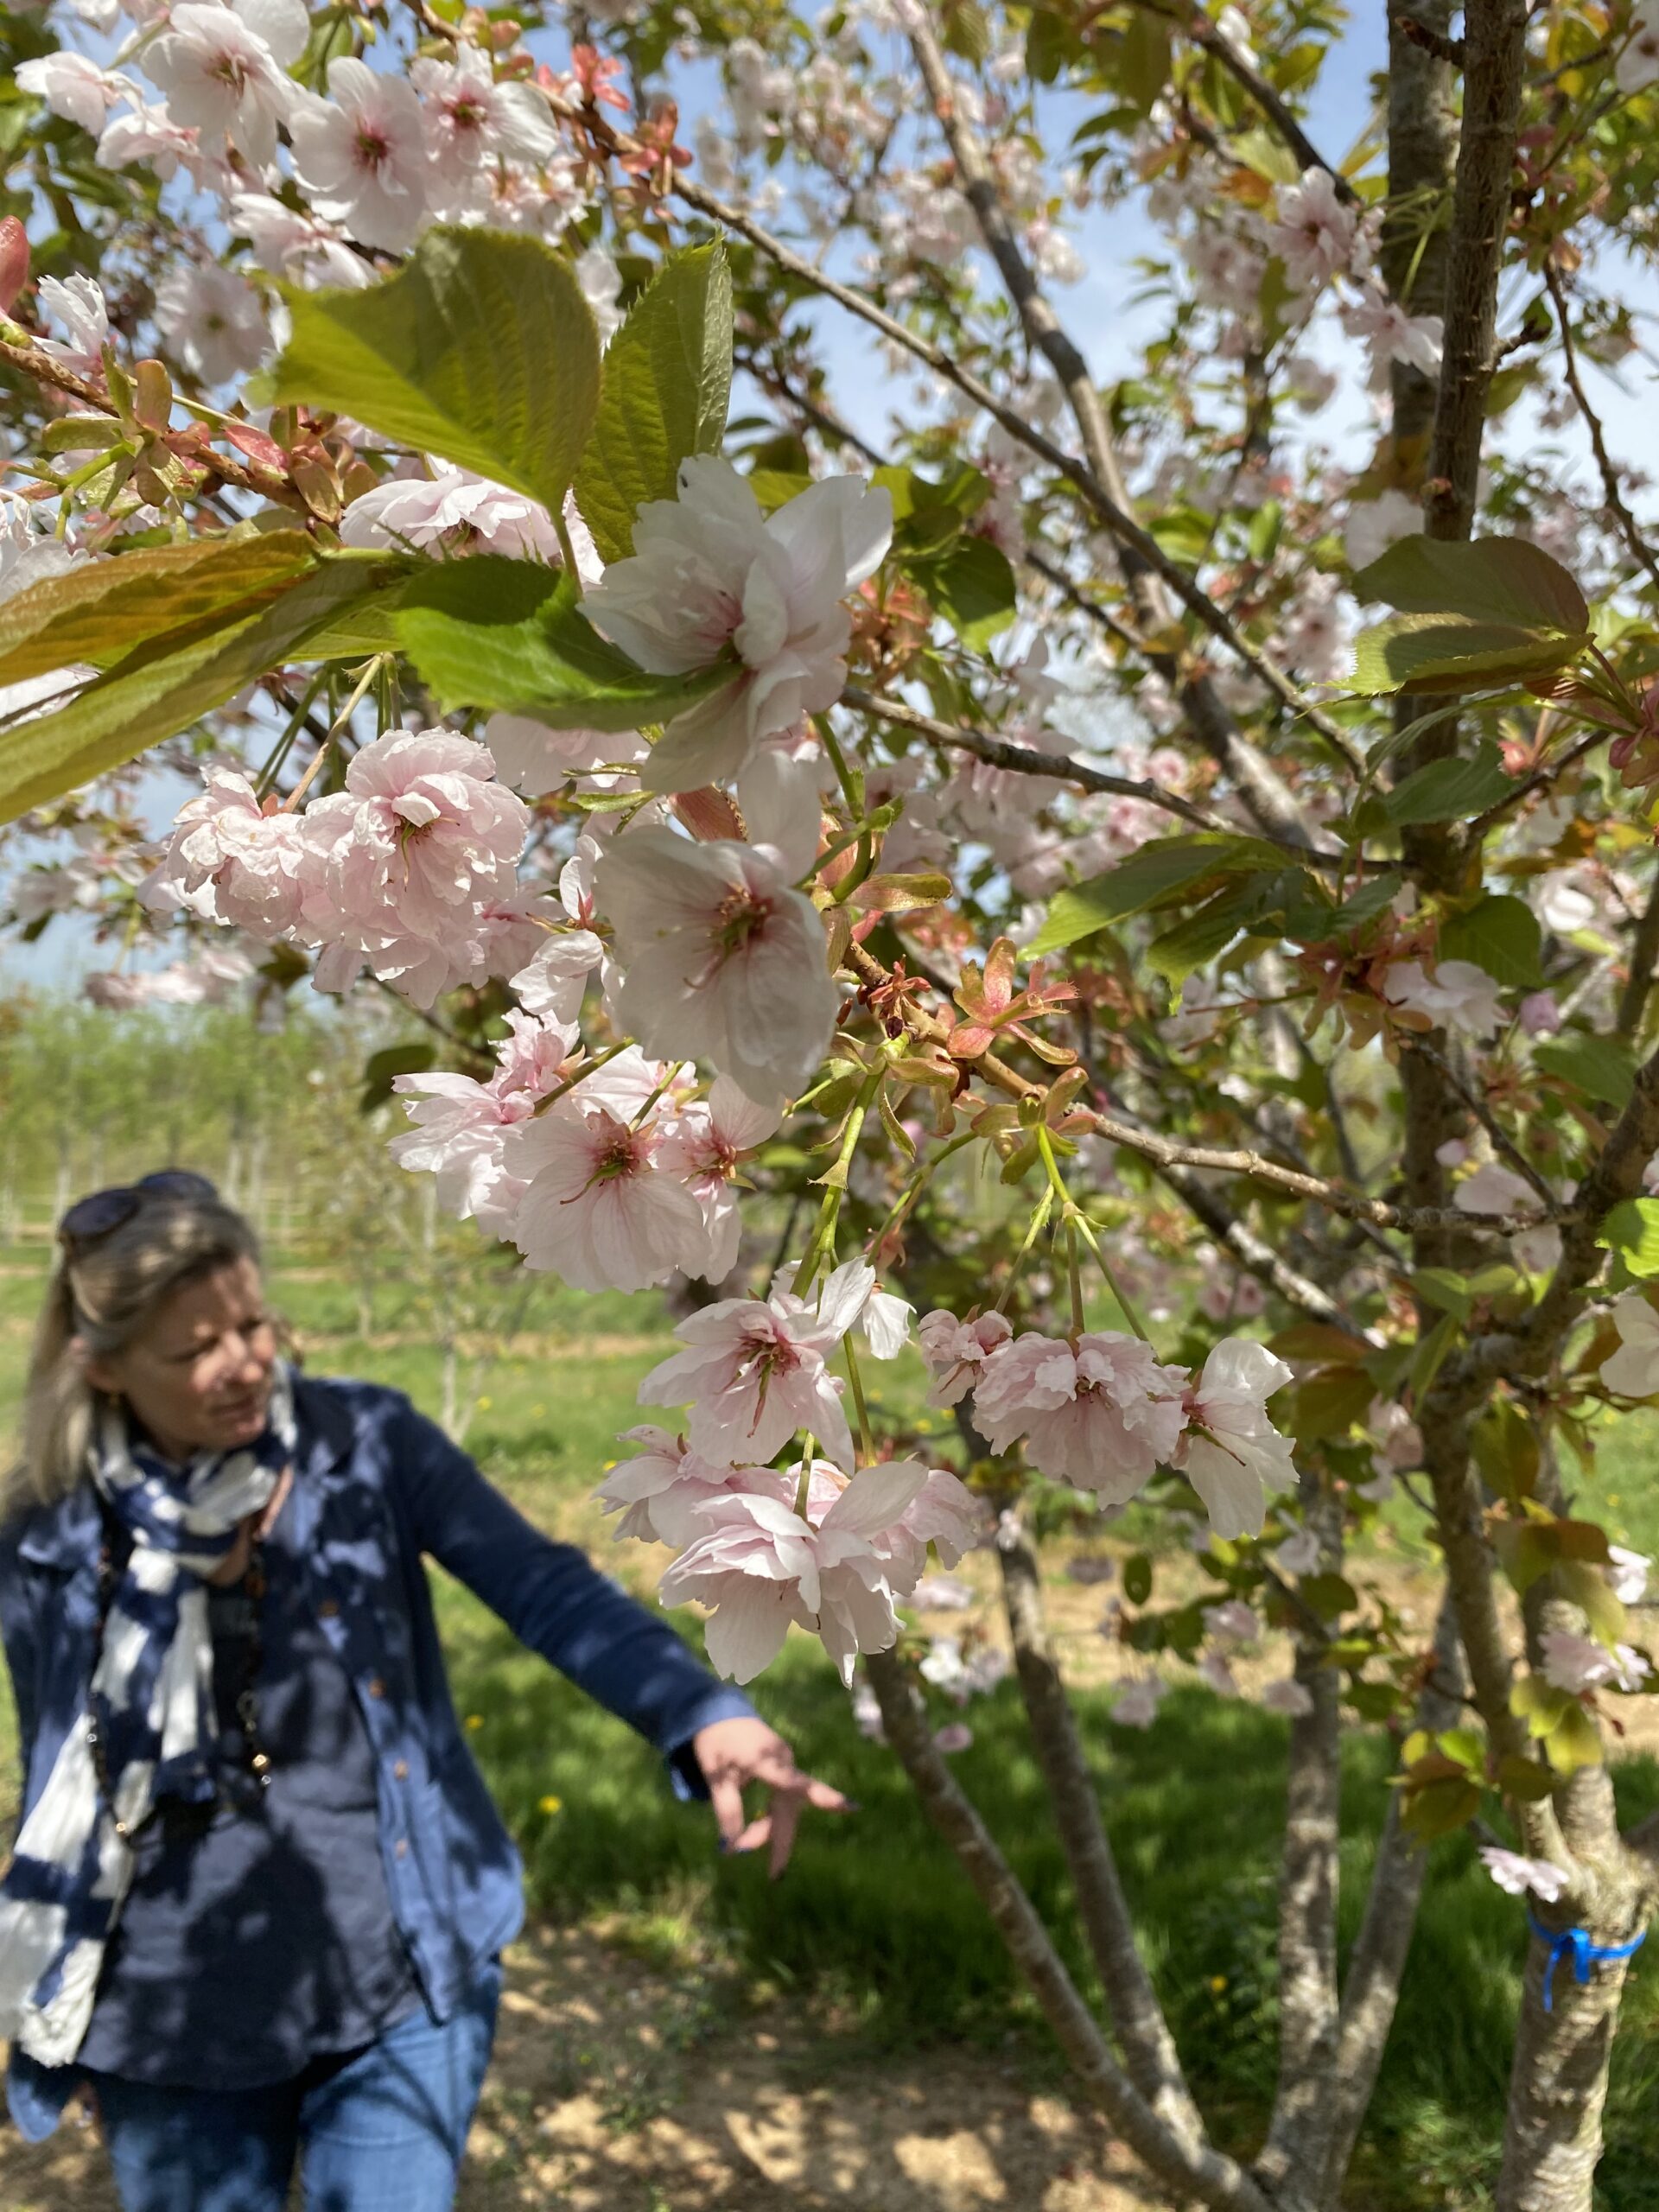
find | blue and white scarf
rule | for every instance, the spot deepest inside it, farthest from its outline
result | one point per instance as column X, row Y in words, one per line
column 152, row 1697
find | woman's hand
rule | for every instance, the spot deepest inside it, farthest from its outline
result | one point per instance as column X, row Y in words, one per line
column 733, row 1753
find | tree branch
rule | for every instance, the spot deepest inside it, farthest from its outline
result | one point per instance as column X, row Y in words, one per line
column 1149, row 2052
column 1377, row 1963
column 1216, row 2180
column 246, row 475
column 1025, row 761
column 1641, row 552
column 1495, row 42
column 1261, row 788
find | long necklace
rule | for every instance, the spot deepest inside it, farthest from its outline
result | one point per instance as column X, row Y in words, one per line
column 247, row 1707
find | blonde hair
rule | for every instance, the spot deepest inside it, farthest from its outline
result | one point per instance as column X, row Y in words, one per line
column 103, row 1292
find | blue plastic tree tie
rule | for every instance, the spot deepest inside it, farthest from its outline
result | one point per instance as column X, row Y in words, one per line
column 1585, row 1953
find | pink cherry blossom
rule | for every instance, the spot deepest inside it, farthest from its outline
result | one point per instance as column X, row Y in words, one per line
column 1232, row 1454
column 943, row 1513
column 658, row 1492
column 702, row 1146
column 554, row 982
column 710, row 573
column 1458, row 996
column 954, row 1735
column 721, row 958
column 955, row 1351
column 1102, row 1415
column 1577, row 1663
column 473, row 123
column 461, row 1124
column 760, row 1566
column 438, row 503
column 288, row 243
column 535, row 759
column 1393, row 335
column 754, row 1373
column 1518, row 1875
column 600, row 1209
column 1540, row 1014
column 232, row 859
column 400, row 863
column 1290, row 1697
column 1136, row 1704
column 361, row 154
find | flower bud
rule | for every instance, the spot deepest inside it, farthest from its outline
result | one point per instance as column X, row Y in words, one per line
column 14, row 261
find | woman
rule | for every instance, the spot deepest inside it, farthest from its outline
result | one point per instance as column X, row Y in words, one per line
column 259, row 1895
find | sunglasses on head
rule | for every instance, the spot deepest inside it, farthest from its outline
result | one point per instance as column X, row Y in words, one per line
column 96, row 1216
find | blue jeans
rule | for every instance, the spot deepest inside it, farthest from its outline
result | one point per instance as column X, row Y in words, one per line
column 377, row 2130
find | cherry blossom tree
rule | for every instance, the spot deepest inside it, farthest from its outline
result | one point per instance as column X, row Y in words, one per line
column 1155, row 880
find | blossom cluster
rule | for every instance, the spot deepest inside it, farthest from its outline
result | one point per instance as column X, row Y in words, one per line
column 1102, row 1412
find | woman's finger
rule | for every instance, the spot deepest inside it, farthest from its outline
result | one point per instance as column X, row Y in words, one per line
column 726, row 1796
column 787, row 1809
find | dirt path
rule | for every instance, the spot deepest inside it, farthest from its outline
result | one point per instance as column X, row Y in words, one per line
column 617, row 2088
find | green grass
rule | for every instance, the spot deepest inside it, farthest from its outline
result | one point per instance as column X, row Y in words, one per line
column 875, row 1922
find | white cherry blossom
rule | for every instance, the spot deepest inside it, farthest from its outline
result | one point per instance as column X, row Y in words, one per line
column 710, row 572
column 361, row 154
column 1232, row 1454
column 77, row 306
column 224, row 69
column 1458, row 995
column 213, row 321
column 1632, row 1371
column 73, row 87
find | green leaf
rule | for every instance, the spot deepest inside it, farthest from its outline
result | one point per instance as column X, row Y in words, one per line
column 1601, row 1067
column 480, row 348
column 1506, row 581
column 1144, row 58
column 380, row 1069
column 1430, row 1353
column 974, row 588
column 97, row 613
column 1631, row 1230
column 493, row 634
column 158, row 689
column 1500, row 934
column 1158, row 872
column 1137, row 1578
column 1198, row 940
column 1469, row 614
column 1446, row 790
column 1444, row 652
column 667, row 382
column 1367, row 903
column 1524, row 1780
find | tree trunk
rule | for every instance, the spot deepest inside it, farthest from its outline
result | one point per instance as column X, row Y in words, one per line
column 1552, row 2137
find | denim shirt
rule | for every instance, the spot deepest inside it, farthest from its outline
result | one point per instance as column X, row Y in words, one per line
column 375, row 1488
